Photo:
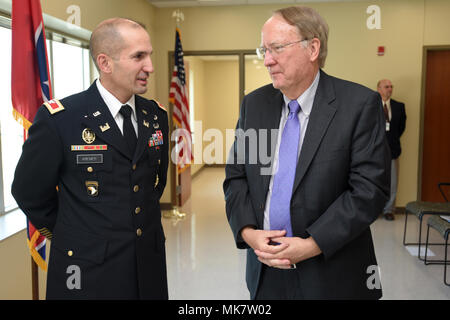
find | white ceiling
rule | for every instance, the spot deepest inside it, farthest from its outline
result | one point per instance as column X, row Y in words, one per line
column 198, row 3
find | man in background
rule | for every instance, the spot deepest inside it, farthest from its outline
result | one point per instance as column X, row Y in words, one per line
column 395, row 116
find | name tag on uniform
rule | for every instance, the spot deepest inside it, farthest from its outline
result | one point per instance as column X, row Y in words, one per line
column 89, row 158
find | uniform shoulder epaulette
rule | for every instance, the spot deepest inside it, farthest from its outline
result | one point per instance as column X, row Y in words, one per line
column 54, row 106
column 160, row 105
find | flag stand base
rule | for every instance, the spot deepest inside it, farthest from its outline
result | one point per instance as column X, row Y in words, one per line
column 174, row 214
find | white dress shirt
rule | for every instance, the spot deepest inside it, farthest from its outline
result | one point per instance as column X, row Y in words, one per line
column 114, row 106
column 305, row 101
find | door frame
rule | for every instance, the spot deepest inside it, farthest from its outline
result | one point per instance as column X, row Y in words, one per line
column 171, row 59
column 426, row 49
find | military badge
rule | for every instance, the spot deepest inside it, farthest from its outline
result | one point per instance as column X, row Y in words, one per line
column 88, row 148
column 92, row 188
column 156, row 139
column 105, row 127
column 147, row 124
column 88, row 136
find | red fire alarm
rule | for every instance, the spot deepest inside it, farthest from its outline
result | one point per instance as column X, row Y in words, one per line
column 380, row 51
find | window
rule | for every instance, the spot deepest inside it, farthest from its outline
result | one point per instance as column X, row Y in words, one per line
column 70, row 73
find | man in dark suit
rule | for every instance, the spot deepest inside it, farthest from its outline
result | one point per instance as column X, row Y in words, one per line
column 92, row 172
column 304, row 216
column 395, row 116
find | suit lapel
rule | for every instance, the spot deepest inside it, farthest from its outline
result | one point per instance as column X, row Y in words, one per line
column 270, row 119
column 99, row 119
column 322, row 113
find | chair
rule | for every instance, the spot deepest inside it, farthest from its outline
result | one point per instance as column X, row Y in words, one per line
column 421, row 208
column 443, row 227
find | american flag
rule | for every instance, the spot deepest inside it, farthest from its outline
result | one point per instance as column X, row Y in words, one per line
column 178, row 97
column 30, row 85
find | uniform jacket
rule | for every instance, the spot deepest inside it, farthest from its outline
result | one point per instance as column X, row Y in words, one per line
column 341, row 185
column 105, row 218
column 396, row 127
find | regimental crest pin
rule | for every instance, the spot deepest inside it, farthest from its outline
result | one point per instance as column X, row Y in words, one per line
column 88, row 136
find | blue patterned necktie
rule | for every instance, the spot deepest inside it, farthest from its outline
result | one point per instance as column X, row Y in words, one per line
column 283, row 181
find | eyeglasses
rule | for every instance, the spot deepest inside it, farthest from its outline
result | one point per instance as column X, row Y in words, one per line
column 275, row 50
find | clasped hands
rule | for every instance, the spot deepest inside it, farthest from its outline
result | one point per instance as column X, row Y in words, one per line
column 287, row 251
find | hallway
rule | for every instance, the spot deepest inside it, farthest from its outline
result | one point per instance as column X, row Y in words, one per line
column 204, row 264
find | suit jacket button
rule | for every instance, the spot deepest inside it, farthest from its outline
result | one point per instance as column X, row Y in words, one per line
column 136, row 188
column 90, row 169
column 137, row 210
column 139, row 232
column 70, row 253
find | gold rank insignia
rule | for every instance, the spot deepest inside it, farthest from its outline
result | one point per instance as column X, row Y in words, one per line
column 53, row 106
column 88, row 136
column 144, row 111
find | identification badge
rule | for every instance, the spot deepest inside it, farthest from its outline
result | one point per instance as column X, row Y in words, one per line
column 156, row 139
column 88, row 148
column 89, row 158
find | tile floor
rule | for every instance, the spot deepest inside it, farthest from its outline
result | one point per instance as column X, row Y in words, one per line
column 204, row 264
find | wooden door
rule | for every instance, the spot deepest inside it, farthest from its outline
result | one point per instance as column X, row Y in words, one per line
column 436, row 134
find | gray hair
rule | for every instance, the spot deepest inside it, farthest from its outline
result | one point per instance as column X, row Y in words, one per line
column 310, row 25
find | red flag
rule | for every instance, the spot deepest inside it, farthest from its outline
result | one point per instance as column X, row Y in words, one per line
column 30, row 84
column 178, row 97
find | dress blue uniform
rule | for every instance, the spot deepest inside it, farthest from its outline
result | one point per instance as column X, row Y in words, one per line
column 79, row 184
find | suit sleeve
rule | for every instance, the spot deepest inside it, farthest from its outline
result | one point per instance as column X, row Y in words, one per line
column 37, row 172
column 239, row 209
column 402, row 119
column 368, row 184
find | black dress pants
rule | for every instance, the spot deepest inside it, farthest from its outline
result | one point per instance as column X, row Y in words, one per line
column 279, row 284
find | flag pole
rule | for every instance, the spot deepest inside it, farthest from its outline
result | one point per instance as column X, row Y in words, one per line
column 175, row 212
column 30, row 87
column 34, row 280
